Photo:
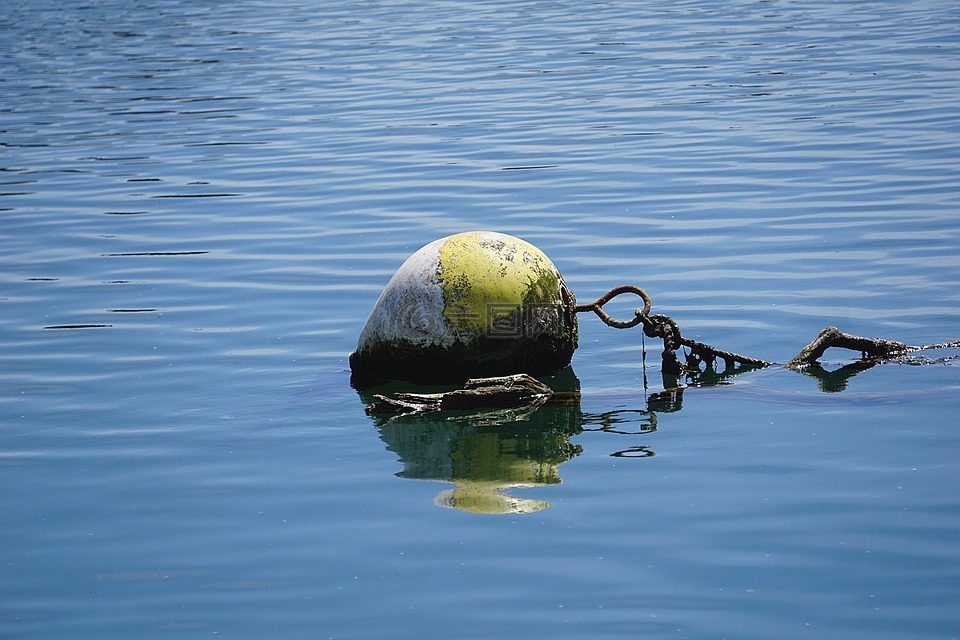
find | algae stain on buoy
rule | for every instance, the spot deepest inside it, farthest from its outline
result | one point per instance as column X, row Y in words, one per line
column 469, row 305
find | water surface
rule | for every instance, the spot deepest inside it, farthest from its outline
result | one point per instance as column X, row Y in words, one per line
column 200, row 204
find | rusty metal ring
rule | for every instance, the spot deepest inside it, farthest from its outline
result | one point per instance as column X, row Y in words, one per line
column 596, row 307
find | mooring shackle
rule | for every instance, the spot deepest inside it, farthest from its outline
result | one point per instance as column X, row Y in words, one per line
column 641, row 315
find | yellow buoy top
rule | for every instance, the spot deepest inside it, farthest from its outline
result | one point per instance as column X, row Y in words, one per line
column 471, row 304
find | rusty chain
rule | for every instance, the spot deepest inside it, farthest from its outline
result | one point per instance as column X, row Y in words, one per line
column 664, row 327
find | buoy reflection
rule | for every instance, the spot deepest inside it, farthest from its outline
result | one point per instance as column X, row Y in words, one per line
column 486, row 454
column 489, row 454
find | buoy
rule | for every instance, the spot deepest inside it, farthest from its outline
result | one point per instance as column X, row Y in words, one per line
column 469, row 305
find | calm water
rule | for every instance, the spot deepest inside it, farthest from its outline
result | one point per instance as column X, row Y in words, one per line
column 200, row 203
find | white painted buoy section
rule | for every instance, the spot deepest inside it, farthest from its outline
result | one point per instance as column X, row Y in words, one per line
column 473, row 304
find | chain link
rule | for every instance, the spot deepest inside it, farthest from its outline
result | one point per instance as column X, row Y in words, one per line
column 664, row 327
column 596, row 307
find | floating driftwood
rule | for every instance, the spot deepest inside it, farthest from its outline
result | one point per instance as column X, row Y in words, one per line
column 833, row 337
column 518, row 390
column 868, row 347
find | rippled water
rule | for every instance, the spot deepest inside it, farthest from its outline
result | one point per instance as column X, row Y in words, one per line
column 200, row 203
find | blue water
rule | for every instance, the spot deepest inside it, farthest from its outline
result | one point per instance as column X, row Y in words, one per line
column 200, row 202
